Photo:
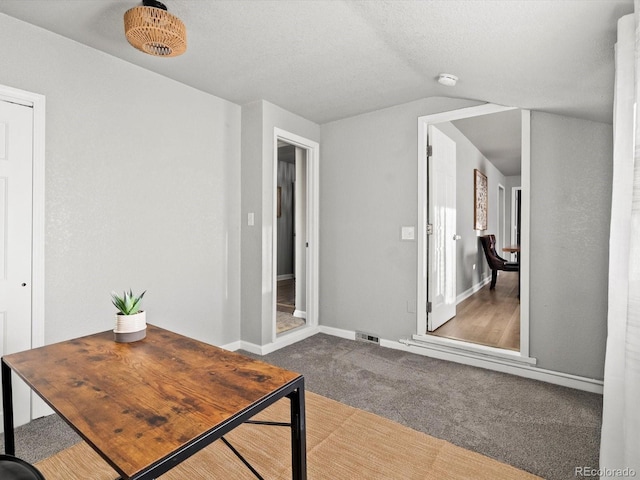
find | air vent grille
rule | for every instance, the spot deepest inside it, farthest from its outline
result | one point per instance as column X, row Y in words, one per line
column 367, row 337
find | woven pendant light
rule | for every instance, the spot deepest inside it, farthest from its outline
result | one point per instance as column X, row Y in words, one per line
column 153, row 30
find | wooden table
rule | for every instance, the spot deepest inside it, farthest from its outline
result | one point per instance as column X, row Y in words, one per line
column 147, row 406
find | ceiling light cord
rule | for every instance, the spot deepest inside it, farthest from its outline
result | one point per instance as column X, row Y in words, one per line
column 154, row 4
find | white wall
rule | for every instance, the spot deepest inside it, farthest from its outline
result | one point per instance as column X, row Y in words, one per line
column 142, row 189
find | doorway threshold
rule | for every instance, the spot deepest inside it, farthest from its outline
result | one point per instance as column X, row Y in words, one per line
column 473, row 350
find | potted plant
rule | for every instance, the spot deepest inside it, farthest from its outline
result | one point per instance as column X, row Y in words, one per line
column 131, row 322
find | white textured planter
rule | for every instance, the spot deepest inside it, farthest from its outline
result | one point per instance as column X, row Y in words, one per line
column 130, row 328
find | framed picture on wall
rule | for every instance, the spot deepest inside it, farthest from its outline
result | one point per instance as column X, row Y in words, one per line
column 481, row 204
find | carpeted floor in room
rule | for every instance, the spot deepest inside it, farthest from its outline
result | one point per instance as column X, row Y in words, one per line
column 541, row 428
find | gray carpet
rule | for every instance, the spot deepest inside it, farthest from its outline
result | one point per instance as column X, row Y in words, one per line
column 541, row 428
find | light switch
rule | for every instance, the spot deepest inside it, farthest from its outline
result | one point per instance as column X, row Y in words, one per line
column 250, row 219
column 408, row 233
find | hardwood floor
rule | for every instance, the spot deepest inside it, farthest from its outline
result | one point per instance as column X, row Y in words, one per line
column 489, row 317
column 286, row 296
column 285, row 306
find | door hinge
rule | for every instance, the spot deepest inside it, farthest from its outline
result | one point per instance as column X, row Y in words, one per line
column 429, row 150
column 429, row 229
column 428, row 307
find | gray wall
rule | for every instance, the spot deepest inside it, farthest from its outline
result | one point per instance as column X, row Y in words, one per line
column 142, row 189
column 369, row 190
column 259, row 119
column 121, row 138
column 571, row 178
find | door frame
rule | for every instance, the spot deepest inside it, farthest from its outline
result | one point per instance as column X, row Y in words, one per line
column 514, row 213
column 37, row 102
column 421, row 295
column 502, row 214
column 312, row 255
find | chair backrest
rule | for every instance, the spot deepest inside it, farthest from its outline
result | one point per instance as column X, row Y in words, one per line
column 495, row 261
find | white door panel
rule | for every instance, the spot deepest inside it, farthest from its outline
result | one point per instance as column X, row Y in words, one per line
column 16, row 200
column 442, row 216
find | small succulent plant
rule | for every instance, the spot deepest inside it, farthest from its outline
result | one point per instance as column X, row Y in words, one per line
column 128, row 303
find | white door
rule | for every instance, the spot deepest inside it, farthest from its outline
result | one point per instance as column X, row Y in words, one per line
column 16, row 199
column 441, row 289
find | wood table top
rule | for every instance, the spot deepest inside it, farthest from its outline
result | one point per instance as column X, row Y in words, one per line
column 511, row 248
column 136, row 403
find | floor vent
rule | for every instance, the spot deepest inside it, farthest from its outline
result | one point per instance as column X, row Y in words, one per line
column 365, row 337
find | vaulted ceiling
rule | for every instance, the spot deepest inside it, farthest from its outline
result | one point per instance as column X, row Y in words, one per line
column 331, row 59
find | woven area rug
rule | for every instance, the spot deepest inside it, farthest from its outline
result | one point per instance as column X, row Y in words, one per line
column 342, row 443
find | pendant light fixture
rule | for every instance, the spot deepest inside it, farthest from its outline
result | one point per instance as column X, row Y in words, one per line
column 153, row 30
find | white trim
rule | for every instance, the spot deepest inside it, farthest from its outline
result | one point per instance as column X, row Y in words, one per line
column 38, row 103
column 504, row 365
column 300, row 314
column 525, row 250
column 465, row 348
column 283, row 340
column 423, row 123
column 233, row 346
column 445, row 349
column 504, row 215
column 476, row 288
column 514, row 205
column 338, row 332
column 519, row 366
column 313, row 176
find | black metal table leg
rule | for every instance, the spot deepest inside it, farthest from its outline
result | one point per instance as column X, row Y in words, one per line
column 7, row 410
column 298, row 434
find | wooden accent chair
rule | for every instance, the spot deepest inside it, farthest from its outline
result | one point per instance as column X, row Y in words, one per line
column 495, row 261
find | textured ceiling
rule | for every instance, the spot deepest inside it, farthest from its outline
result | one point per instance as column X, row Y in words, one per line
column 498, row 136
column 331, row 59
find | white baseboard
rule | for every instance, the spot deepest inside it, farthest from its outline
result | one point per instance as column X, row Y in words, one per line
column 233, row 346
column 521, row 367
column 514, row 366
column 475, row 356
column 300, row 314
column 467, row 293
column 39, row 408
column 283, row 340
column 286, row 276
column 338, row 332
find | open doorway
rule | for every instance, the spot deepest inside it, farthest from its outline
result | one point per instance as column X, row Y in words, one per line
column 493, row 320
column 295, row 239
column 291, row 237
